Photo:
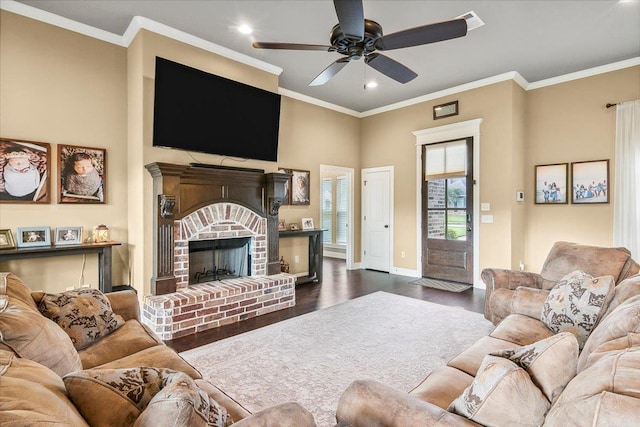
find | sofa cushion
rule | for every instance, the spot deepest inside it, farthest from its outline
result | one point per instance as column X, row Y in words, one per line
column 159, row 356
column 442, row 386
column 502, row 394
column 174, row 398
column 13, row 287
column 626, row 289
column 84, row 314
column 621, row 321
column 521, row 330
column 32, row 336
column 129, row 339
column 470, row 359
column 603, row 410
column 32, row 394
column 617, row 345
column 617, row 373
column 551, row 363
column 576, row 304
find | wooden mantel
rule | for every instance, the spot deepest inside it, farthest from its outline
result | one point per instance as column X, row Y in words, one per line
column 182, row 189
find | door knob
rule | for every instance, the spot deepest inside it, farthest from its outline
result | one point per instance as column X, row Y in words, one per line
column 386, row 226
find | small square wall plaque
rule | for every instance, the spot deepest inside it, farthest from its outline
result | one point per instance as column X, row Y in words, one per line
column 445, row 110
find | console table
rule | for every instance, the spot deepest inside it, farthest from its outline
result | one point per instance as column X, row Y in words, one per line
column 315, row 253
column 102, row 249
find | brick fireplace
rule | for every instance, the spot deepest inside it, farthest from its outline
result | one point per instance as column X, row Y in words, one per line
column 198, row 203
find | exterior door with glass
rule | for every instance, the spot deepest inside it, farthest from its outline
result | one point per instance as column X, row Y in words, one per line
column 447, row 209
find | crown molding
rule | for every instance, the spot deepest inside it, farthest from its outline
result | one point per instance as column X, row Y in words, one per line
column 139, row 23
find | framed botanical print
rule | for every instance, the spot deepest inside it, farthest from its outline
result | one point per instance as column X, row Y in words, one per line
column 300, row 187
column 24, row 171
column 81, row 174
column 590, row 182
column 551, row 184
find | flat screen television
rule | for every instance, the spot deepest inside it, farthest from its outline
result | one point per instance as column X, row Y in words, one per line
column 198, row 111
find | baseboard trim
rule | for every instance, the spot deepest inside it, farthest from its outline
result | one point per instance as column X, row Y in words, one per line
column 405, row 272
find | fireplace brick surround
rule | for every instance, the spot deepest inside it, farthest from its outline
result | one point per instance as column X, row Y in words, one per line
column 199, row 202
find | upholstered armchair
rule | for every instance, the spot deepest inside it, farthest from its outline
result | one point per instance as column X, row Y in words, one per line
column 509, row 291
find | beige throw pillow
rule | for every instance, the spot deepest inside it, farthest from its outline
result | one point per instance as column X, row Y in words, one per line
column 84, row 314
column 576, row 304
column 551, row 363
column 502, row 394
column 164, row 396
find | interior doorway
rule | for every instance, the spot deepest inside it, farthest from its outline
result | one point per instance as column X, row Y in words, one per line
column 377, row 218
column 336, row 212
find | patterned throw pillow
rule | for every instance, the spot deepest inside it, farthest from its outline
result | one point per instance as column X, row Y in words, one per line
column 551, row 363
column 576, row 303
column 501, row 394
column 84, row 314
column 143, row 397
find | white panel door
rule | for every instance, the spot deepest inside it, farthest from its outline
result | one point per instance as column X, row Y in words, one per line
column 376, row 220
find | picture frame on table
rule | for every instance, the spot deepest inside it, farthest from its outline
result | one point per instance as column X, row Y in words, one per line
column 300, row 187
column 24, row 171
column 293, row 227
column 286, row 200
column 67, row 236
column 82, row 174
column 282, row 225
column 551, row 183
column 6, row 239
column 307, row 223
column 33, row 236
column 590, row 182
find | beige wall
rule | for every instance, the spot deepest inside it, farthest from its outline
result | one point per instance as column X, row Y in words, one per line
column 569, row 123
column 62, row 88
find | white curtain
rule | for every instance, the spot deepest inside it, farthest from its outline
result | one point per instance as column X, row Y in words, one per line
column 626, row 201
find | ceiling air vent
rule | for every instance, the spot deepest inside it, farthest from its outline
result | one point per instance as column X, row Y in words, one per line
column 473, row 20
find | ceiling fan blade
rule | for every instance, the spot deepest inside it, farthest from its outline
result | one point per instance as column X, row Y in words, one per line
column 329, row 72
column 423, row 35
column 351, row 18
column 390, row 68
column 292, row 46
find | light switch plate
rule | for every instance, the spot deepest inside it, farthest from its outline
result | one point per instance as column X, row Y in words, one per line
column 519, row 196
column 485, row 207
column 487, row 219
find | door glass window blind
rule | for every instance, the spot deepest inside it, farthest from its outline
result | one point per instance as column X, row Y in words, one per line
column 446, row 160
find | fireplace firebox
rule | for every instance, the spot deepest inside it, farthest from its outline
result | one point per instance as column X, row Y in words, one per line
column 219, row 259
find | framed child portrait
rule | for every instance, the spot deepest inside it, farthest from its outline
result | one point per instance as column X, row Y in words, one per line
column 68, row 236
column 33, row 236
column 300, row 187
column 551, row 184
column 6, row 239
column 24, row 171
column 589, row 182
column 81, row 174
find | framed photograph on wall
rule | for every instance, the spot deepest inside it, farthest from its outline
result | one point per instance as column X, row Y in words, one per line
column 551, row 184
column 24, row 171
column 6, row 239
column 590, row 182
column 67, row 236
column 33, row 236
column 300, row 187
column 81, row 174
column 286, row 200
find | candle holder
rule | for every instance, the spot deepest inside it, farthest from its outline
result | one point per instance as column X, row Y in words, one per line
column 101, row 234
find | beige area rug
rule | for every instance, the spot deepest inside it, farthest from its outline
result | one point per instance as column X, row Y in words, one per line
column 312, row 358
column 441, row 284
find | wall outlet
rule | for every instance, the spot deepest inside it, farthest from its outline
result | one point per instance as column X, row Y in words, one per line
column 296, row 259
column 521, row 265
column 88, row 285
column 403, row 254
column 69, row 288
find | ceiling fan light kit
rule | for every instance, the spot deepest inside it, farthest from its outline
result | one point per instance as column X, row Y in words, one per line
column 356, row 37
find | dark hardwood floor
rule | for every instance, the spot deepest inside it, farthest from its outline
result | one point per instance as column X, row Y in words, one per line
column 338, row 285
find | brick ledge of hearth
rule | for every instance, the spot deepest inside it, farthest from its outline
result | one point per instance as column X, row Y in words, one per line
column 213, row 304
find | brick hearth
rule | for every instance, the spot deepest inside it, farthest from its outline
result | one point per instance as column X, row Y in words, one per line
column 213, row 304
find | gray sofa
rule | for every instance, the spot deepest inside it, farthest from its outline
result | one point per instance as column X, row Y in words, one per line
column 524, row 373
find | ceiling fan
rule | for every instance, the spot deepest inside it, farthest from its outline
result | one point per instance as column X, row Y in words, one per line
column 356, row 37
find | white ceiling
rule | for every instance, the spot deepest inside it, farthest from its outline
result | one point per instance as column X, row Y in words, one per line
column 538, row 39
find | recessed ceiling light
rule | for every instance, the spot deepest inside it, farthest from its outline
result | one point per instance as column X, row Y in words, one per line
column 371, row 85
column 245, row 29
